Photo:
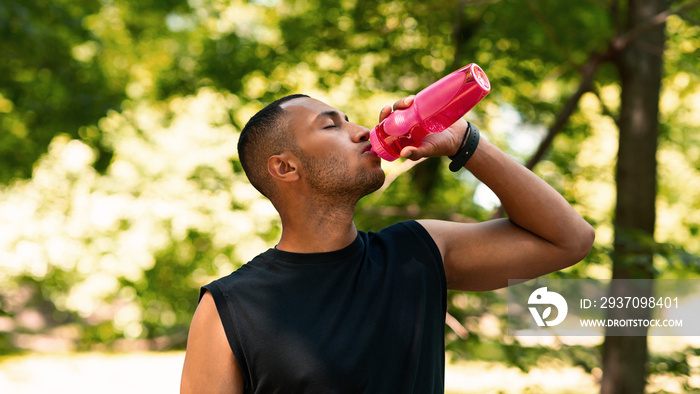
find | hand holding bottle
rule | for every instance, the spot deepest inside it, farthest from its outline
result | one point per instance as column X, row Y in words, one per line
column 445, row 143
column 433, row 110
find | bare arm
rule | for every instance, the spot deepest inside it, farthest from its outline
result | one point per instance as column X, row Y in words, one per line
column 210, row 366
column 542, row 234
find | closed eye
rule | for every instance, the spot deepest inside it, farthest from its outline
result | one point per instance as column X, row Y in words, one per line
column 333, row 116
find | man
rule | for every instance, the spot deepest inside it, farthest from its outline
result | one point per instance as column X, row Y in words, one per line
column 332, row 309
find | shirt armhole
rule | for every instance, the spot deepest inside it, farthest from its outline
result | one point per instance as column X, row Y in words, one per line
column 229, row 328
column 422, row 235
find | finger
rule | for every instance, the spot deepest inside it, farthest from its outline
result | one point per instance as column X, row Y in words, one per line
column 386, row 111
column 403, row 103
column 400, row 104
column 410, row 152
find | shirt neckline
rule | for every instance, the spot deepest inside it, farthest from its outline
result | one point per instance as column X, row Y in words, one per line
column 318, row 258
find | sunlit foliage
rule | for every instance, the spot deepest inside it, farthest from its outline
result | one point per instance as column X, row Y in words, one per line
column 119, row 119
column 125, row 251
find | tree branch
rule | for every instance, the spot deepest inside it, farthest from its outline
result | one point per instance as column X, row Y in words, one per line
column 588, row 72
column 456, row 326
column 621, row 42
column 607, row 111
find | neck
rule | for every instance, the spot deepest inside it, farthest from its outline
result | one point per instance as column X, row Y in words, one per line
column 316, row 227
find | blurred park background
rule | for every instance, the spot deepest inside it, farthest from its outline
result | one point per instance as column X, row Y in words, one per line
column 121, row 192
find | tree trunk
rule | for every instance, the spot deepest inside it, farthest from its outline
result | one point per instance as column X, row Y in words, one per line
column 640, row 66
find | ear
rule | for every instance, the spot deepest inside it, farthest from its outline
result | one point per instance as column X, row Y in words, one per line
column 284, row 167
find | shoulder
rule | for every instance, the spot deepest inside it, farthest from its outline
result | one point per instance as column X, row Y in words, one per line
column 406, row 238
column 409, row 234
column 210, row 365
column 445, row 233
column 247, row 271
column 404, row 230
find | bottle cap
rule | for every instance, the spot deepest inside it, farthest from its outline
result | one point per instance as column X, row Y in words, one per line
column 480, row 77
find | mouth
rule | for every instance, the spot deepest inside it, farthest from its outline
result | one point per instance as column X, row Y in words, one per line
column 368, row 151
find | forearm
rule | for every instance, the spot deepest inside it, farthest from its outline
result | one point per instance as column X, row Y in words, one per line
column 542, row 234
column 528, row 200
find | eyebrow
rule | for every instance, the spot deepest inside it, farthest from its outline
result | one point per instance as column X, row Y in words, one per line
column 331, row 114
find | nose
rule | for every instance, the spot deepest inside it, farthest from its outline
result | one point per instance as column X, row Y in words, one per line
column 361, row 135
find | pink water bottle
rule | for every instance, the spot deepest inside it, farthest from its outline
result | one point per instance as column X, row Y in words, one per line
column 434, row 109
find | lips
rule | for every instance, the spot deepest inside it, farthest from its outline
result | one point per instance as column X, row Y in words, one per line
column 368, row 151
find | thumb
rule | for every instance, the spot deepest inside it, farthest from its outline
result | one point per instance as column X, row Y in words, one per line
column 410, row 152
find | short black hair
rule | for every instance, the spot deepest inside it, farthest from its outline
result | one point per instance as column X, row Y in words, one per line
column 263, row 136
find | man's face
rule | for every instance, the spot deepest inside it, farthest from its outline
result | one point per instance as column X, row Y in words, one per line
column 334, row 153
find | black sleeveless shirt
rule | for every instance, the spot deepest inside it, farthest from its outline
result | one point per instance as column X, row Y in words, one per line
column 369, row 318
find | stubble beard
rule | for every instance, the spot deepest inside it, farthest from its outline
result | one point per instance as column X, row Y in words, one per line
column 330, row 177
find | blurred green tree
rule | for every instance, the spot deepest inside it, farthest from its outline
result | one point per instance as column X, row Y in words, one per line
column 118, row 122
column 49, row 81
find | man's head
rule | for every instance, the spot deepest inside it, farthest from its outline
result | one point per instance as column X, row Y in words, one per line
column 298, row 141
column 266, row 134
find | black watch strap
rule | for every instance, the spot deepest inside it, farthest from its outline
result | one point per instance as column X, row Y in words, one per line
column 466, row 150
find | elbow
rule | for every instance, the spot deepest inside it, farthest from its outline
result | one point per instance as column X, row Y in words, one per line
column 581, row 243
